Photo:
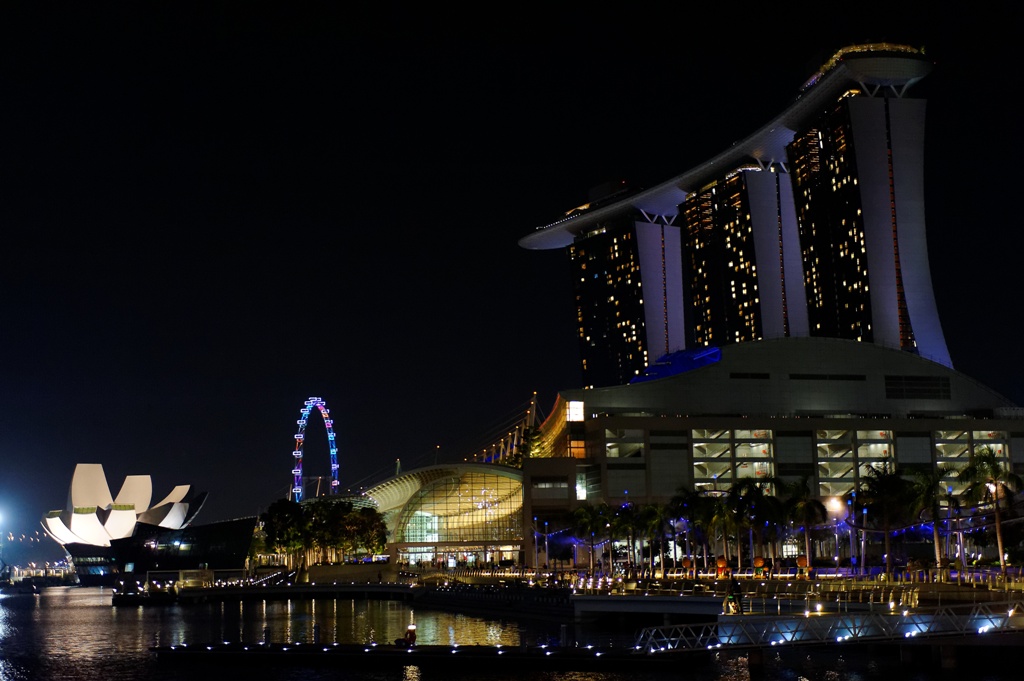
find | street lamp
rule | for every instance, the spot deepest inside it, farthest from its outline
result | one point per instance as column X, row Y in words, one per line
column 850, row 520
column 949, row 519
column 547, row 556
column 536, row 545
column 836, row 521
column 835, row 507
column 863, row 539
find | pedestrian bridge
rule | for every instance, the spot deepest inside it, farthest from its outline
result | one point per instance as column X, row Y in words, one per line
column 896, row 625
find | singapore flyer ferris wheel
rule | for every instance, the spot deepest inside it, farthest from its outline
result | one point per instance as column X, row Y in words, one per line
column 307, row 409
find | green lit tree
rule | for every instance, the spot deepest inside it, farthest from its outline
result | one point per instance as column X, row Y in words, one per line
column 286, row 528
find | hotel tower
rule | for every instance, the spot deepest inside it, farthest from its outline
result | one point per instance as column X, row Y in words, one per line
column 813, row 226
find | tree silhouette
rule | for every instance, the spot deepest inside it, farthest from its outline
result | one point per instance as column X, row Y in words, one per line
column 626, row 523
column 655, row 519
column 803, row 508
column 887, row 494
column 698, row 511
column 990, row 482
column 590, row 524
column 928, row 492
column 747, row 501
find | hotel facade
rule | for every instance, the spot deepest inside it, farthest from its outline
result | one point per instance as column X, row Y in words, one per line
column 766, row 315
column 813, row 226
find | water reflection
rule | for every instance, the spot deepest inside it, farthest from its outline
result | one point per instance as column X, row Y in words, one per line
column 75, row 633
column 364, row 621
column 71, row 632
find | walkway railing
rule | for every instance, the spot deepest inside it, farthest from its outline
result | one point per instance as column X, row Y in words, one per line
column 813, row 628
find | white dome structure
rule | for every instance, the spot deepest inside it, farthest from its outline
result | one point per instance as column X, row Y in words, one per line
column 95, row 518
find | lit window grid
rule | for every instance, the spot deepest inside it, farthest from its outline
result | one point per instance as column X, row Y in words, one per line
column 722, row 457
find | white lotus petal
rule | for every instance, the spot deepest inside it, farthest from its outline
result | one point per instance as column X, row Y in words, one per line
column 88, row 527
column 59, row 531
column 120, row 523
column 89, row 487
column 176, row 495
column 136, row 490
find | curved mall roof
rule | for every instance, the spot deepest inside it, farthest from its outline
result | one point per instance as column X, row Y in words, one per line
column 395, row 492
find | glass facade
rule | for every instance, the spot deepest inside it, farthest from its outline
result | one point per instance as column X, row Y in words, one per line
column 467, row 517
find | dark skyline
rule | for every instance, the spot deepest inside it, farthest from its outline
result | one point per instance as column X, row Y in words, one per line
column 210, row 216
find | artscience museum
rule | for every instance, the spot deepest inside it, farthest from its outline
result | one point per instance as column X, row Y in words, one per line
column 107, row 536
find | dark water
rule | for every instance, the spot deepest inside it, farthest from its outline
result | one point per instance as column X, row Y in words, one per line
column 70, row 633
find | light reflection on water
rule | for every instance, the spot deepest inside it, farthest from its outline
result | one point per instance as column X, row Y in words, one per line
column 73, row 633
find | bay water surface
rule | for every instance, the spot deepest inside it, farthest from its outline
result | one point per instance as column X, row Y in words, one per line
column 71, row 633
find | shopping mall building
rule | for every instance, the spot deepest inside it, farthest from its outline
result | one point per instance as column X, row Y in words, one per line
column 827, row 409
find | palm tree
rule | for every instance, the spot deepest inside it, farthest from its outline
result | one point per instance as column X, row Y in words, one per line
column 746, row 500
column 928, row 491
column 771, row 515
column 886, row 493
column 803, row 508
column 723, row 521
column 626, row 523
column 692, row 507
column 589, row 524
column 990, row 482
column 954, row 504
column 655, row 520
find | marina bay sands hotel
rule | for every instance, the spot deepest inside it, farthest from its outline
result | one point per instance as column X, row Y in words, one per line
column 767, row 314
column 813, row 226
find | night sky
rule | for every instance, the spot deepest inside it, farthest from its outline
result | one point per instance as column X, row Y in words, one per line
column 208, row 216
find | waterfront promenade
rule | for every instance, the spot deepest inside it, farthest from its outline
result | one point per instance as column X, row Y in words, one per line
column 572, row 598
column 673, row 616
column 566, row 592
